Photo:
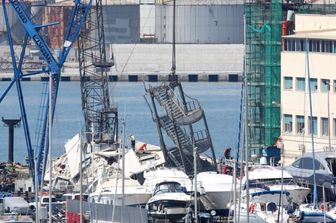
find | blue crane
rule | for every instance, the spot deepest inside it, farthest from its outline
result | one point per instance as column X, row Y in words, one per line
column 77, row 20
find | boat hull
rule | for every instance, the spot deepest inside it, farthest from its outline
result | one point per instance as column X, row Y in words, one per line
column 260, row 217
column 296, row 193
column 216, row 200
column 167, row 209
column 133, row 200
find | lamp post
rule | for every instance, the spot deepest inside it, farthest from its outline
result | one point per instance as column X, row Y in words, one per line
column 327, row 82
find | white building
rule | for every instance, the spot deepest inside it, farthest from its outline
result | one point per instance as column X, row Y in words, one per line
column 320, row 32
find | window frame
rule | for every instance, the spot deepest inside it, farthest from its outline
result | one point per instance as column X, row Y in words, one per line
column 289, row 125
column 298, row 80
column 325, row 87
column 323, row 119
column 313, row 88
column 315, row 127
column 299, row 130
column 287, row 78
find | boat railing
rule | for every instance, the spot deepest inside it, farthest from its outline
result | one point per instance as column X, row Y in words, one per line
column 268, row 182
column 184, row 183
column 193, row 105
column 200, row 135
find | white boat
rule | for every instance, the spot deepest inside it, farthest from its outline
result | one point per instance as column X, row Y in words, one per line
column 15, row 217
column 15, row 204
column 169, row 201
column 215, row 190
column 261, row 210
column 153, row 177
column 264, row 177
column 309, row 213
column 110, row 192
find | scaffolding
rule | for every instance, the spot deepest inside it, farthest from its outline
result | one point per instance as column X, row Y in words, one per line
column 263, row 72
column 263, row 49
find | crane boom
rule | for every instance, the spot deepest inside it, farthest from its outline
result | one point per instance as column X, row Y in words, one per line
column 101, row 118
column 78, row 18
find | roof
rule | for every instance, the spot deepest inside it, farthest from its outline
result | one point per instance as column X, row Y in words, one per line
column 320, row 155
column 327, row 35
column 201, row 2
column 166, row 2
column 167, row 182
column 267, row 172
column 270, row 192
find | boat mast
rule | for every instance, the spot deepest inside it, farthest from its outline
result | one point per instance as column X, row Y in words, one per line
column 50, row 145
column 173, row 69
column 123, row 165
column 81, row 178
column 246, row 157
column 245, row 131
column 195, row 182
column 311, row 124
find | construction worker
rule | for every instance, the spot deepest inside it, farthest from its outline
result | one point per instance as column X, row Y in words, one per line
column 132, row 141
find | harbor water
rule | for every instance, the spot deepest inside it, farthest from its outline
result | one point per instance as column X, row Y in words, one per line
column 220, row 100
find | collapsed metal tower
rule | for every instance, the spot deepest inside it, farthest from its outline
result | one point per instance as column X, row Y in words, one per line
column 182, row 119
column 101, row 118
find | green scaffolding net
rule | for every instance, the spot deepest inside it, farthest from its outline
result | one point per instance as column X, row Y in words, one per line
column 263, row 49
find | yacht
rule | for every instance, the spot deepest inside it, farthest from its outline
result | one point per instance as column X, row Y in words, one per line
column 15, row 217
column 264, row 177
column 110, row 192
column 169, row 201
column 261, row 209
column 153, row 177
column 324, row 212
column 215, row 190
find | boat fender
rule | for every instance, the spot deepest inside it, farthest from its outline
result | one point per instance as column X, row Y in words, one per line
column 324, row 208
column 251, row 208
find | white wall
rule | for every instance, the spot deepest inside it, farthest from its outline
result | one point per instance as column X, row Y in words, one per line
column 322, row 66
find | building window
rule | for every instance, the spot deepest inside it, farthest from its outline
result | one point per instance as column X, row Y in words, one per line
column 300, row 124
column 288, row 123
column 299, row 45
column 300, row 84
column 310, row 42
column 324, row 85
column 328, row 46
column 313, row 129
column 334, row 126
column 334, row 85
column 286, row 43
column 313, row 84
column 288, row 83
column 324, row 126
column 315, row 46
column 291, row 46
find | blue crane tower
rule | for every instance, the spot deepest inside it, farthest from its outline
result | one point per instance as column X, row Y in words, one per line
column 53, row 67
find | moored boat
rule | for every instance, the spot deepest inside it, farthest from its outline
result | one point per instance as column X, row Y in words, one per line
column 169, row 201
column 264, row 177
column 261, row 209
column 215, row 190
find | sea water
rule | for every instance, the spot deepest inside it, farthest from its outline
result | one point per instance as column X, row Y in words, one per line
column 220, row 101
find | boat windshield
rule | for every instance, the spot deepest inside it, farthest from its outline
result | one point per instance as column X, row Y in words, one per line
column 332, row 165
column 46, row 200
column 168, row 188
column 271, row 181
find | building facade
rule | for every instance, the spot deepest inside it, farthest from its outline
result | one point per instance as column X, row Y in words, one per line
column 318, row 34
column 196, row 24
